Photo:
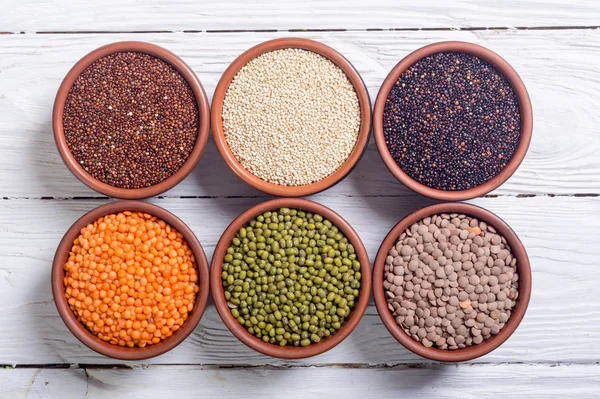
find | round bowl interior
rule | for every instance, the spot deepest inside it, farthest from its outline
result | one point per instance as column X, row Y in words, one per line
column 524, row 106
column 518, row 312
column 276, row 189
column 203, row 123
column 80, row 331
column 289, row 352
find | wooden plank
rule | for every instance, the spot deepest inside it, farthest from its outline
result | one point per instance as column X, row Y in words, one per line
column 443, row 380
column 42, row 383
column 153, row 15
column 560, row 234
column 558, row 67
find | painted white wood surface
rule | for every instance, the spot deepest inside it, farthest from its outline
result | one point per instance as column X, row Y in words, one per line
column 154, row 15
column 560, row 235
column 440, row 381
column 554, row 352
column 559, row 67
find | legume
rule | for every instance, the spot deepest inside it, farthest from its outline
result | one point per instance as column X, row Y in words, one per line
column 130, row 120
column 131, row 279
column 291, row 117
column 451, row 281
column 291, row 277
column 452, row 121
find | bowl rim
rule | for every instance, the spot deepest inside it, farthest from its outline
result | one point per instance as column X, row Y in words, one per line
column 289, row 352
column 327, row 52
column 203, row 123
column 501, row 66
column 523, row 267
column 78, row 329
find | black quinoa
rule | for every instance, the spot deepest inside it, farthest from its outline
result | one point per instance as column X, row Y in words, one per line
column 130, row 120
column 451, row 121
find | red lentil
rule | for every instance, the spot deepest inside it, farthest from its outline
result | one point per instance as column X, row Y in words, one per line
column 127, row 286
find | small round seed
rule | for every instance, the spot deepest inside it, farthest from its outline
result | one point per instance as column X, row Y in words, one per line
column 285, row 106
column 469, row 300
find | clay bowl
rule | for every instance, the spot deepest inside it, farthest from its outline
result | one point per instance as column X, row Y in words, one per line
column 80, row 331
column 203, row 126
column 475, row 351
column 289, row 352
column 276, row 189
column 524, row 105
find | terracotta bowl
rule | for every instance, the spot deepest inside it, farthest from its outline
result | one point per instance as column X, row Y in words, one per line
column 80, row 331
column 203, row 125
column 276, row 189
column 524, row 106
column 471, row 352
column 289, row 352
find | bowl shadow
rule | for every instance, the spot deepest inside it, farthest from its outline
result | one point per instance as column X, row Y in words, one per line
column 221, row 186
column 372, row 342
column 47, row 171
column 371, row 176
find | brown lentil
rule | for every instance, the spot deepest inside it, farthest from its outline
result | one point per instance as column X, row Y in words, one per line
column 457, row 305
column 130, row 120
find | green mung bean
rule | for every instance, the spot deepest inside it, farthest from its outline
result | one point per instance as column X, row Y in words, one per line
column 290, row 277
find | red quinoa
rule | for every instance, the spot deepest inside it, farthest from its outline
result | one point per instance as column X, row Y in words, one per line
column 131, row 120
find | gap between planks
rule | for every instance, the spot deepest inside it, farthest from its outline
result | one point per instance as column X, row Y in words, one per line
column 468, row 29
column 209, row 366
column 103, row 198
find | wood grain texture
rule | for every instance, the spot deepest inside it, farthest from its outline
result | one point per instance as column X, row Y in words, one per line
column 153, row 15
column 554, row 352
column 558, row 67
column 442, row 381
column 560, row 234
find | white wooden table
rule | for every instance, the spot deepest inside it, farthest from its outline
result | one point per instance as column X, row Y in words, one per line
column 552, row 201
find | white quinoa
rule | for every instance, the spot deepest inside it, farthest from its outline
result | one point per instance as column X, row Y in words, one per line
column 291, row 117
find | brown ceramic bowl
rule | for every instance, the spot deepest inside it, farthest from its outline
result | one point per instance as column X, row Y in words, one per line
column 330, row 54
column 289, row 352
column 524, row 105
column 203, row 125
column 80, row 331
column 471, row 352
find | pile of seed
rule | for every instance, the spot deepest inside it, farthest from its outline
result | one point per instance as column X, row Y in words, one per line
column 291, row 117
column 451, row 281
column 131, row 279
column 130, row 120
column 452, row 121
column 291, row 277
